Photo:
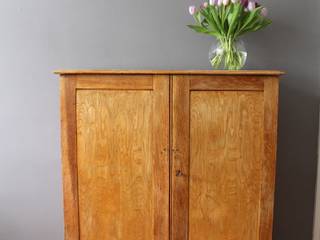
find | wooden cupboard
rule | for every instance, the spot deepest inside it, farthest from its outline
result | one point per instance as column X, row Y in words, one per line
column 159, row 155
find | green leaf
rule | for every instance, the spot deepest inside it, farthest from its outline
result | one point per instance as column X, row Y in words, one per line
column 230, row 16
column 205, row 23
column 238, row 8
column 263, row 24
column 256, row 21
column 215, row 15
column 200, row 29
column 228, row 12
column 210, row 20
column 197, row 17
column 223, row 14
column 256, row 25
column 251, row 16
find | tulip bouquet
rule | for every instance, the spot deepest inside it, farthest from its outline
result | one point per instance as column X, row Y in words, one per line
column 227, row 20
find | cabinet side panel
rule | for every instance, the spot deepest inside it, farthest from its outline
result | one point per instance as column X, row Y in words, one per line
column 115, row 164
column 226, row 153
column 271, row 92
column 69, row 158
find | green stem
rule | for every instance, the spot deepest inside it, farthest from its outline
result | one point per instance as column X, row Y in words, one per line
column 230, row 57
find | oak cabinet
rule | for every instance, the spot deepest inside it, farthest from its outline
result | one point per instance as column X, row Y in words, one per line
column 159, row 155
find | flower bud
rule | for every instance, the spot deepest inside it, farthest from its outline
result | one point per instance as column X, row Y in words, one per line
column 225, row 2
column 234, row 1
column 244, row 3
column 205, row 4
column 264, row 12
column 220, row 2
column 192, row 10
column 213, row 2
column 251, row 5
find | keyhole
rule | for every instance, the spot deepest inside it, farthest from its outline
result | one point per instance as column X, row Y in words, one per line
column 179, row 173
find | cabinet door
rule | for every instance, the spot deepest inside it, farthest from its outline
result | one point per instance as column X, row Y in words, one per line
column 223, row 157
column 115, row 134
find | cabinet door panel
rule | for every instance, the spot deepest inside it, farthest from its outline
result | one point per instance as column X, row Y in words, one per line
column 115, row 177
column 226, row 149
column 122, row 162
column 223, row 157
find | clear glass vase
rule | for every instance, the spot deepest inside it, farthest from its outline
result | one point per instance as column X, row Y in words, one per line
column 228, row 54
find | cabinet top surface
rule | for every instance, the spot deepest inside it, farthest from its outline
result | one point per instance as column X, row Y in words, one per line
column 171, row 72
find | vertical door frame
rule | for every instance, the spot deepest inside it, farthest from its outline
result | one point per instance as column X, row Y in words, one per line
column 271, row 92
column 159, row 84
column 180, row 130
column 161, row 158
column 69, row 157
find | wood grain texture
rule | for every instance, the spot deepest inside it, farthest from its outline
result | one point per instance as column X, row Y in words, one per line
column 269, row 161
column 180, row 158
column 160, row 151
column 132, row 172
column 226, row 145
column 115, row 166
column 243, row 83
column 112, row 82
column 69, row 161
column 170, row 72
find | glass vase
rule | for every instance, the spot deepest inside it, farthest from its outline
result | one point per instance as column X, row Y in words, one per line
column 228, row 54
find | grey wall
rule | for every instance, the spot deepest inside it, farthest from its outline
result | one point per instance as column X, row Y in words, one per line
column 38, row 36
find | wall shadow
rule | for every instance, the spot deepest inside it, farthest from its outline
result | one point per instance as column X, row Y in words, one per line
column 293, row 47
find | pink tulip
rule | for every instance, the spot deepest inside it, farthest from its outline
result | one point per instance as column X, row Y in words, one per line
column 205, row 4
column 192, row 10
column 220, row 2
column 251, row 5
column 244, row 3
column 264, row 12
column 213, row 2
column 225, row 2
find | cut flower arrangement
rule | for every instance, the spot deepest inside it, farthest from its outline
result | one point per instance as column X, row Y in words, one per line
column 227, row 20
